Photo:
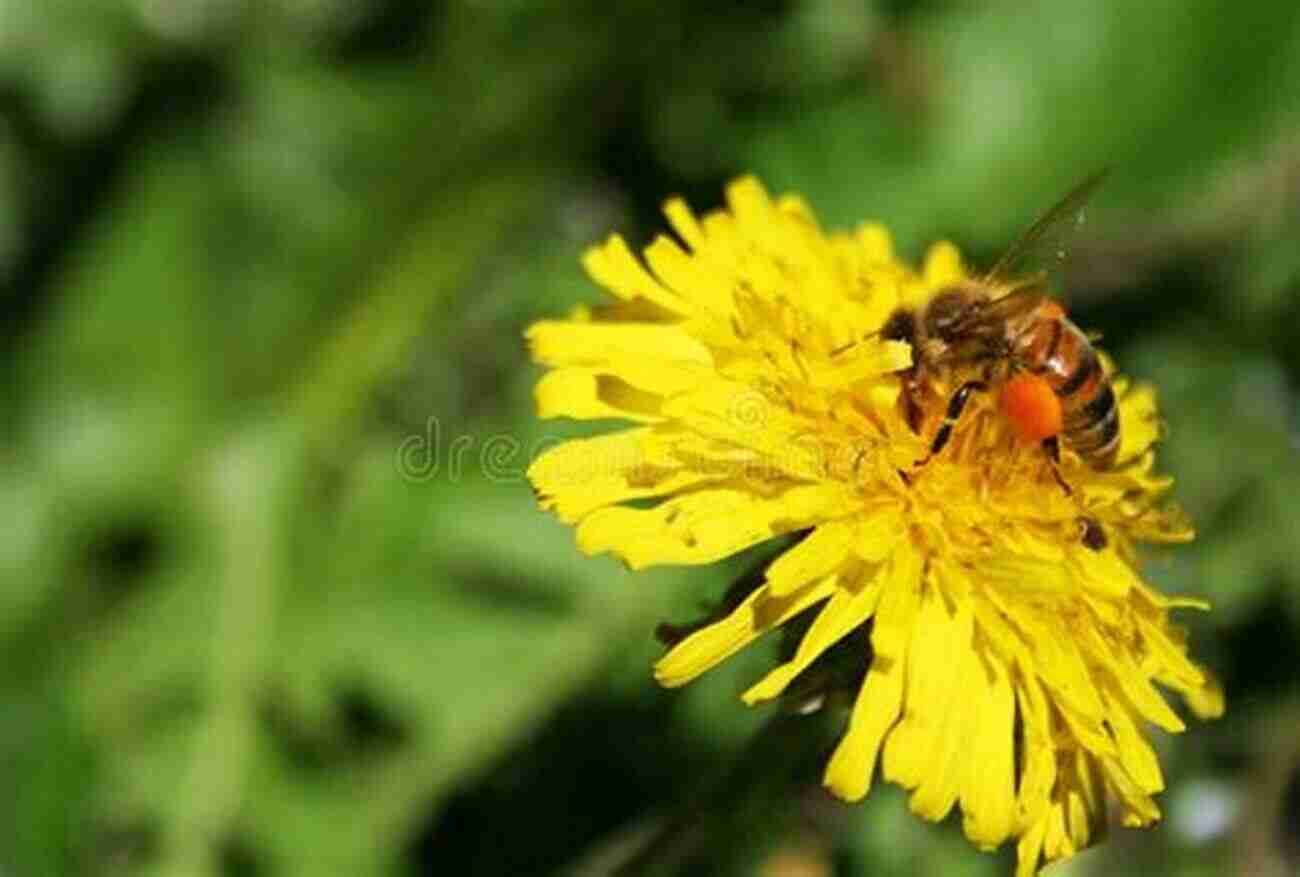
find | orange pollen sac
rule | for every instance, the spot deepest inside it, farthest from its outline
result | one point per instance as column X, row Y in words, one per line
column 1032, row 407
column 1051, row 310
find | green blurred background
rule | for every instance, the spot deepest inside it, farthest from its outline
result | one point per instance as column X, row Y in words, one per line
column 276, row 599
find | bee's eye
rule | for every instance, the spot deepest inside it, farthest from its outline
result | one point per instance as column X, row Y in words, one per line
column 901, row 326
column 1031, row 405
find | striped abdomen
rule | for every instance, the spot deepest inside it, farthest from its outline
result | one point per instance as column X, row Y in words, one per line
column 1058, row 350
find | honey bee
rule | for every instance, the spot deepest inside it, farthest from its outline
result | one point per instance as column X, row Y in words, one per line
column 1049, row 380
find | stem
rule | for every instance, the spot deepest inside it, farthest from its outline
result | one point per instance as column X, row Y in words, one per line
column 240, row 490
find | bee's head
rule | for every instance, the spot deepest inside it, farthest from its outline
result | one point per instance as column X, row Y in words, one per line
column 901, row 326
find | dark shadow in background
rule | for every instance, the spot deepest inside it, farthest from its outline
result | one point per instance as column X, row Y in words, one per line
column 593, row 769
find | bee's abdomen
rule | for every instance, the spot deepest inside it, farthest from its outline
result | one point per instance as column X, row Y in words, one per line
column 1080, row 382
column 1093, row 431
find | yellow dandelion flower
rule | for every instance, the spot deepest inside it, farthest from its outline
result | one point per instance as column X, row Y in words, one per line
column 1013, row 655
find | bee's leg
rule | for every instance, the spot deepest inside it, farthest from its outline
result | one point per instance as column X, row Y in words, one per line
column 956, row 405
column 1052, row 445
column 912, row 411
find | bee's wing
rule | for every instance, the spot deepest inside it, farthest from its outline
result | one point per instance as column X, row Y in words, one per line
column 985, row 323
column 992, row 315
column 1045, row 244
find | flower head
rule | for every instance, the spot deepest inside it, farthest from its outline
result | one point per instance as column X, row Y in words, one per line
column 1014, row 648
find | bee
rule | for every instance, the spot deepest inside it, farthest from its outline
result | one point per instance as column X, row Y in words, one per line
column 1049, row 380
